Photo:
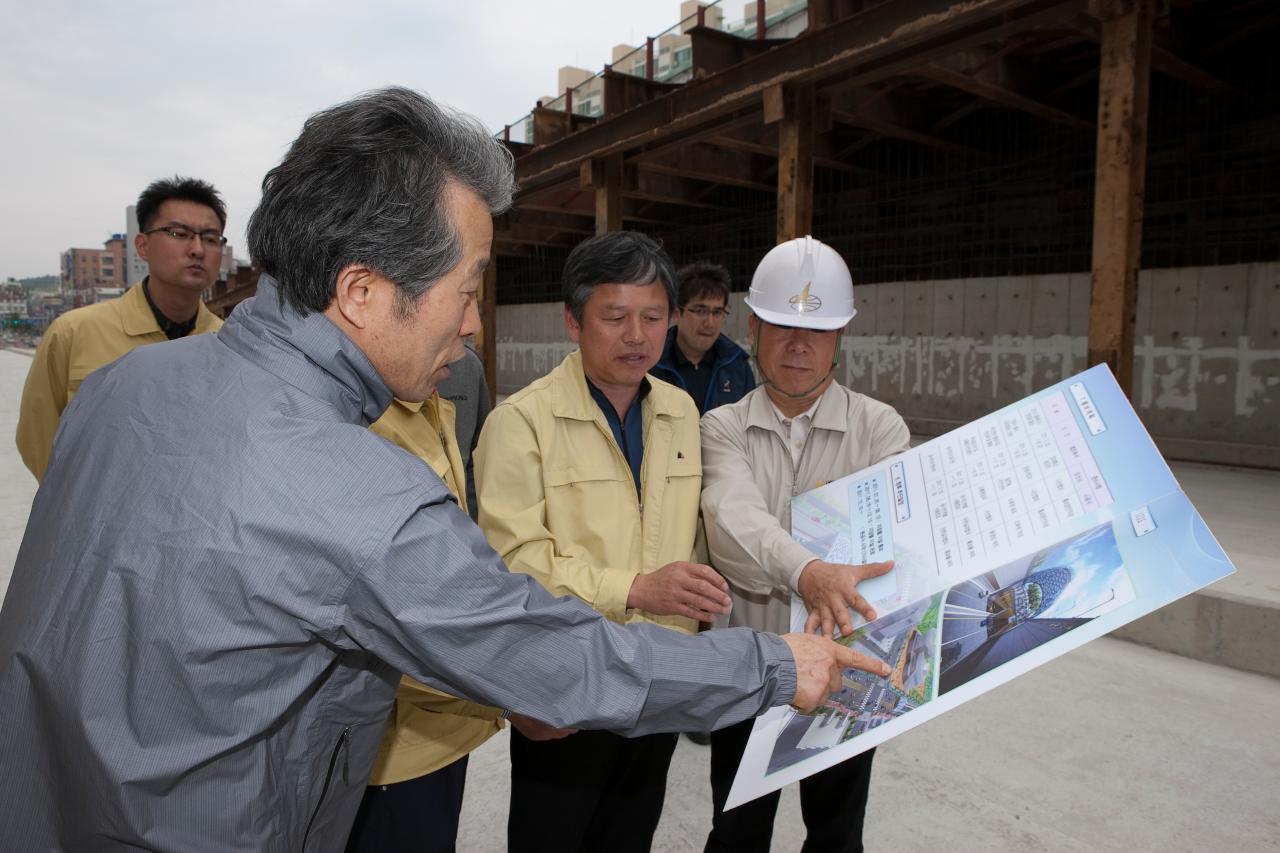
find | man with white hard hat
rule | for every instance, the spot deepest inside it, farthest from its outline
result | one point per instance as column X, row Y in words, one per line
column 799, row 429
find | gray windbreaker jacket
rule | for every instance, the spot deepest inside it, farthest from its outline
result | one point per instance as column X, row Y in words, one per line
column 223, row 576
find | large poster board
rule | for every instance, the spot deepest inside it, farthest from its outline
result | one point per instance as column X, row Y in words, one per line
column 1015, row 539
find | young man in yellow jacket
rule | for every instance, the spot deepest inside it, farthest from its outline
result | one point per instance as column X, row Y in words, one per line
column 180, row 223
column 588, row 480
column 415, row 791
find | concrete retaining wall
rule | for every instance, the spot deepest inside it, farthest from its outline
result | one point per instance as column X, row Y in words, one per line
column 1207, row 379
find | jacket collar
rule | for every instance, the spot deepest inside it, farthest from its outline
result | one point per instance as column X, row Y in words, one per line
column 726, row 349
column 830, row 414
column 137, row 319
column 570, row 397
column 307, row 352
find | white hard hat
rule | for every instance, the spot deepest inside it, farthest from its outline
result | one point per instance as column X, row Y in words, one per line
column 804, row 283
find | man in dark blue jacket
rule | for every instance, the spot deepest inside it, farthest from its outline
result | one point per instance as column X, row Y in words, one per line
column 697, row 357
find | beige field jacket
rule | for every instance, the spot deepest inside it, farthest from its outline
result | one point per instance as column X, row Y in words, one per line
column 749, row 480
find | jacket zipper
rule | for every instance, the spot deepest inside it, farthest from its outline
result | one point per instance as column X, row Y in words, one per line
column 639, row 498
column 626, row 464
column 786, row 454
column 343, row 746
column 798, row 465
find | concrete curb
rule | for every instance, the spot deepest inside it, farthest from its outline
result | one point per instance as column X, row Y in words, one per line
column 1215, row 627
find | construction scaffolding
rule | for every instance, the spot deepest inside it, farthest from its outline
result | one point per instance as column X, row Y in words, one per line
column 956, row 146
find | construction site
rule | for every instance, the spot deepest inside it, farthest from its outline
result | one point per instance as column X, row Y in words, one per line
column 1005, row 227
column 1021, row 189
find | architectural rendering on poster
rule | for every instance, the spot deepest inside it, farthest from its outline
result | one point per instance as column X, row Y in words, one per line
column 907, row 640
column 996, row 617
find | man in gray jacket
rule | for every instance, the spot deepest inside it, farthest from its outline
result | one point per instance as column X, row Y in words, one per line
column 225, row 572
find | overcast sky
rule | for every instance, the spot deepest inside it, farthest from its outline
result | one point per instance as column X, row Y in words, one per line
column 100, row 98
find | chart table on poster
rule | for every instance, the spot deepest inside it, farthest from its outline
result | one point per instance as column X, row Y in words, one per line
column 1000, row 483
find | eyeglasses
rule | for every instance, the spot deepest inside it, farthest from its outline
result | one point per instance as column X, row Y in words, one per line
column 702, row 312
column 182, row 234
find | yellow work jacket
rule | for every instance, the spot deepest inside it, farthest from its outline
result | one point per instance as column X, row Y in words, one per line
column 557, row 499
column 427, row 729
column 75, row 345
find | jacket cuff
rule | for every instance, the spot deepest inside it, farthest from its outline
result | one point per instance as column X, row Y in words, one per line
column 799, row 570
column 778, row 658
column 788, row 557
column 611, row 597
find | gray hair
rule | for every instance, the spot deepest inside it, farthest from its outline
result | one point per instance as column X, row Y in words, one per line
column 363, row 184
column 617, row 257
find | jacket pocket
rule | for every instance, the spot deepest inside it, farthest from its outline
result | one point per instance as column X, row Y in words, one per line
column 76, row 374
column 341, row 753
column 684, row 466
column 572, row 476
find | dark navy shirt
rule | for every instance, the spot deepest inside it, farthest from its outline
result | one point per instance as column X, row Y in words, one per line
column 627, row 431
column 696, row 376
column 171, row 328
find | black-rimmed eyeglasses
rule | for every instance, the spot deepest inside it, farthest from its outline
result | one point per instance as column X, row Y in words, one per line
column 182, row 234
column 702, row 312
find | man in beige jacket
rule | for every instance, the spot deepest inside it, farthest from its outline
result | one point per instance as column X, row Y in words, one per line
column 799, row 429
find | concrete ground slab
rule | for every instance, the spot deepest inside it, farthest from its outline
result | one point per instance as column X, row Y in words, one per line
column 1214, row 627
column 17, row 486
column 1113, row 747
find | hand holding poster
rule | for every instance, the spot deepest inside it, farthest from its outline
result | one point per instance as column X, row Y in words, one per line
column 1015, row 538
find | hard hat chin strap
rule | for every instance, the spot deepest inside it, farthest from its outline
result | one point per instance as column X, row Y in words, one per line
column 755, row 349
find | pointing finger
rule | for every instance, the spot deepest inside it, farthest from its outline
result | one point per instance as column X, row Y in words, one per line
column 849, row 659
column 836, row 681
column 874, row 570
